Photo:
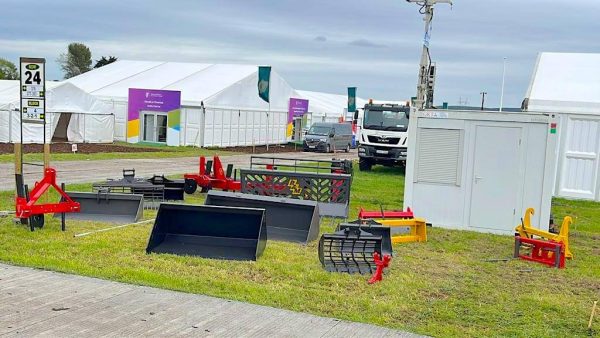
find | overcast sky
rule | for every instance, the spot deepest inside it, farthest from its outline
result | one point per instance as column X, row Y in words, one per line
column 322, row 45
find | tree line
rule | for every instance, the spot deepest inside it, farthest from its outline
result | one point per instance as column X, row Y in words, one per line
column 77, row 60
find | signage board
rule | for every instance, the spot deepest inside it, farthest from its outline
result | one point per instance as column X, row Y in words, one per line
column 33, row 90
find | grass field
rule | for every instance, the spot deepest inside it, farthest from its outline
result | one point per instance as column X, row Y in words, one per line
column 444, row 287
column 162, row 151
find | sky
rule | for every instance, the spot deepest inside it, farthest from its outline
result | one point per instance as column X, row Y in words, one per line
column 320, row 45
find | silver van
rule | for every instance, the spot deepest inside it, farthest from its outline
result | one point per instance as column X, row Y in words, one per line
column 328, row 137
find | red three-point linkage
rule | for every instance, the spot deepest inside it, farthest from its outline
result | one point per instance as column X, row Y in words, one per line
column 381, row 264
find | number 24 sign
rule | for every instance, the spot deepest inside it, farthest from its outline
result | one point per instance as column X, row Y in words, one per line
column 32, row 78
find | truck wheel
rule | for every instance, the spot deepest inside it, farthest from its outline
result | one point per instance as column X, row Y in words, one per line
column 364, row 165
column 190, row 186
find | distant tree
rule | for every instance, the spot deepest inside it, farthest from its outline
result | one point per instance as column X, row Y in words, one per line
column 8, row 70
column 77, row 60
column 105, row 61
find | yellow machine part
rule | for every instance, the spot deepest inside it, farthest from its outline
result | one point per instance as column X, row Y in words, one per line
column 527, row 231
column 418, row 229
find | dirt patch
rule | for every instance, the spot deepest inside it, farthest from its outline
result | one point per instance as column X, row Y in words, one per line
column 82, row 148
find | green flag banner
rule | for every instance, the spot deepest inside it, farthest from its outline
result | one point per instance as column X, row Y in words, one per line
column 264, row 79
column 351, row 99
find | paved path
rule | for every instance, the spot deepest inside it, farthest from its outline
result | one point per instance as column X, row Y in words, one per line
column 93, row 171
column 43, row 303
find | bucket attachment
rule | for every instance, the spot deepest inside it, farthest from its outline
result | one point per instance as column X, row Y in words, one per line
column 374, row 229
column 173, row 188
column 350, row 251
column 287, row 219
column 107, row 207
column 209, row 231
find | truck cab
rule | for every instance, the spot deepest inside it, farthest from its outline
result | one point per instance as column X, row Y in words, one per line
column 383, row 135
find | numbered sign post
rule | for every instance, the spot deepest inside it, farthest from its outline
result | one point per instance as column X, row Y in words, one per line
column 33, row 110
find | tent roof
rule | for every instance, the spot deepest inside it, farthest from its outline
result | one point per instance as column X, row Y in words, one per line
column 62, row 97
column 196, row 81
column 566, row 82
column 325, row 103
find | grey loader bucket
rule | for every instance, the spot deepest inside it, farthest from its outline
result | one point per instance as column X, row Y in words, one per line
column 288, row 219
column 106, row 207
column 209, row 231
column 375, row 229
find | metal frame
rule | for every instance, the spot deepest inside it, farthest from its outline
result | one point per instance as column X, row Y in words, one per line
column 293, row 164
column 330, row 191
column 154, row 194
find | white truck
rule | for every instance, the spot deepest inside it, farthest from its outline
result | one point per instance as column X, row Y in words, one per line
column 383, row 135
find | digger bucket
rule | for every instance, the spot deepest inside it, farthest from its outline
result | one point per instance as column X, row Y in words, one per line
column 350, row 251
column 374, row 229
column 209, row 231
column 288, row 219
column 106, row 207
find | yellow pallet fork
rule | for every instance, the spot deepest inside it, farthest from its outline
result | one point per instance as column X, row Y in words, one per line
column 403, row 230
column 525, row 230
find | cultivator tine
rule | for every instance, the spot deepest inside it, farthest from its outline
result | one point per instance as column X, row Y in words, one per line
column 349, row 250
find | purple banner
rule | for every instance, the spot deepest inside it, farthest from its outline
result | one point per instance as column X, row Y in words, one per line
column 163, row 101
column 297, row 108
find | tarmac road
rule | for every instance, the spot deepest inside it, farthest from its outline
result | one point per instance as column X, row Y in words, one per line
column 95, row 171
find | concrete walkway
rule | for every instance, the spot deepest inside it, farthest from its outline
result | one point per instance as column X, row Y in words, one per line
column 43, row 303
column 94, row 171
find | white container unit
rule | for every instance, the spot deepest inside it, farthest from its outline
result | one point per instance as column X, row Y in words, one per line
column 475, row 170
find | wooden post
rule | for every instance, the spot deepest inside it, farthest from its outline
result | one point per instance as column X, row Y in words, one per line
column 46, row 155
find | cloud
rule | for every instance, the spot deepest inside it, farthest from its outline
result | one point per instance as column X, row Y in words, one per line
column 366, row 43
column 319, row 45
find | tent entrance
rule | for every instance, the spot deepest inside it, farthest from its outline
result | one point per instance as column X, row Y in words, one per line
column 60, row 133
column 154, row 127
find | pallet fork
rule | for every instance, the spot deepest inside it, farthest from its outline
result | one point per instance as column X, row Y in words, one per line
column 549, row 248
column 403, row 230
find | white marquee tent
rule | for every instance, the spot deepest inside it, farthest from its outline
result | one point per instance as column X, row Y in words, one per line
column 325, row 107
column 71, row 114
column 220, row 102
column 568, row 84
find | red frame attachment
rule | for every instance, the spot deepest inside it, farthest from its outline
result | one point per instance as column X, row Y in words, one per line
column 216, row 179
column 364, row 214
column 545, row 252
column 26, row 208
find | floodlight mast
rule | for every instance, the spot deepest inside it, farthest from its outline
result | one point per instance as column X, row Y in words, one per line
column 424, row 68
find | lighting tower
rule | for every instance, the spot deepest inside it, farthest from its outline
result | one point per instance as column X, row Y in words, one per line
column 426, row 68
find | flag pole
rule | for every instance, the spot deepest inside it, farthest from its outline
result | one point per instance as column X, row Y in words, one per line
column 268, row 113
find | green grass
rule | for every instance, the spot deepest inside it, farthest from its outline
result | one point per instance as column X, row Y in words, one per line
column 162, row 151
column 442, row 288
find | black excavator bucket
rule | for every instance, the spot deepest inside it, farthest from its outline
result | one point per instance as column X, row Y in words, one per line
column 103, row 206
column 374, row 229
column 350, row 251
column 209, row 231
column 287, row 219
